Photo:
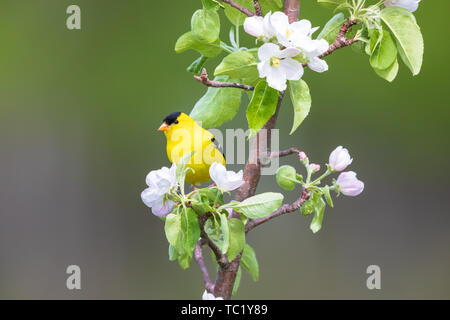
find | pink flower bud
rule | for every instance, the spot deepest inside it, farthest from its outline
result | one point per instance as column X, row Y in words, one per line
column 315, row 167
column 349, row 184
column 302, row 155
column 340, row 159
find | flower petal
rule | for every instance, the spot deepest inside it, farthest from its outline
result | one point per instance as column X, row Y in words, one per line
column 254, row 26
column 292, row 68
column 318, row 65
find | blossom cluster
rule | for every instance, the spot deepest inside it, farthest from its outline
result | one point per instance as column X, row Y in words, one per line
column 287, row 47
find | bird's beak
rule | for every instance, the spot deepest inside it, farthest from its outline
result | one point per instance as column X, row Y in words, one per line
column 164, row 127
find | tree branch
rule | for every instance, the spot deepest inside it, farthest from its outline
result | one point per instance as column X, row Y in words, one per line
column 286, row 208
column 283, row 153
column 258, row 10
column 341, row 40
column 209, row 286
column 239, row 7
column 203, row 78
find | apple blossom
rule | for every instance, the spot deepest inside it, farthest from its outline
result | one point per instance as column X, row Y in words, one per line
column 314, row 167
column 302, row 156
column 159, row 182
column 260, row 27
column 410, row 5
column 339, row 159
column 277, row 65
column 349, row 185
column 225, row 180
column 209, row 296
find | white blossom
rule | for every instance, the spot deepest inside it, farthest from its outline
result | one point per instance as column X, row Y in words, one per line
column 209, row 296
column 410, row 5
column 340, row 159
column 277, row 65
column 225, row 180
column 159, row 184
column 349, row 185
column 260, row 27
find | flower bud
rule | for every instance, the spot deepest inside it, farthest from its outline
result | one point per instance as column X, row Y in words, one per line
column 349, row 185
column 314, row 167
column 302, row 156
column 340, row 159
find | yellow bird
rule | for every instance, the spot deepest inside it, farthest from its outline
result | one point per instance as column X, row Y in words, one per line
column 184, row 135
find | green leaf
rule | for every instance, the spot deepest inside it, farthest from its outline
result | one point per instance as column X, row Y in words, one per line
column 390, row 73
column 191, row 230
column 181, row 169
column 307, row 207
column 385, row 53
column 173, row 254
column 301, row 101
column 240, row 64
column 287, row 177
column 196, row 66
column 326, row 192
column 331, row 3
column 235, row 16
column 262, row 106
column 271, row 5
column 319, row 207
column 188, row 41
column 212, row 4
column 205, row 25
column 331, row 29
column 225, row 233
column 237, row 281
column 218, row 105
column 174, row 234
column 259, row 206
column 184, row 260
column 237, row 238
column 405, row 30
column 249, row 262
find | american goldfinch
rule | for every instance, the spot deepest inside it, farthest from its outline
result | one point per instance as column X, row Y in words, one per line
column 184, row 135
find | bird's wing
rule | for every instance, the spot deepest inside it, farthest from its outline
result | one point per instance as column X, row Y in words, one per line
column 217, row 146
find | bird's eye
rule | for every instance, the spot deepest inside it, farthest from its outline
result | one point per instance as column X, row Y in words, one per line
column 176, row 121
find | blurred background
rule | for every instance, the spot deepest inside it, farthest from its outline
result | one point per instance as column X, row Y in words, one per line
column 78, row 118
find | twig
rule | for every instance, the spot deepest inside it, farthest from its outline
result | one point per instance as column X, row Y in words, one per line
column 341, row 39
column 258, row 10
column 239, row 7
column 203, row 78
column 209, row 286
column 283, row 153
column 286, row 208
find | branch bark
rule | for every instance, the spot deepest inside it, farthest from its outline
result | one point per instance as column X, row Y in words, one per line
column 286, row 208
column 252, row 173
column 239, row 7
column 203, row 78
column 341, row 40
column 258, row 10
column 209, row 286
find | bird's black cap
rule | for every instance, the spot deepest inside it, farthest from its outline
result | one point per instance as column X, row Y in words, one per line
column 171, row 118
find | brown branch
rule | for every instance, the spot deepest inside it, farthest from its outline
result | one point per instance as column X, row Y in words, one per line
column 258, row 10
column 283, row 153
column 209, row 286
column 239, row 7
column 203, row 78
column 292, row 9
column 286, row 208
column 341, row 40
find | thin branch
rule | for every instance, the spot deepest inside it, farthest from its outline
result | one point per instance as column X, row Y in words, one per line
column 286, row 208
column 292, row 9
column 341, row 40
column 239, row 7
column 283, row 153
column 209, row 286
column 203, row 78
column 258, row 10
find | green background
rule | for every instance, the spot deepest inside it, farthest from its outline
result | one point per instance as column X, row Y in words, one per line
column 78, row 118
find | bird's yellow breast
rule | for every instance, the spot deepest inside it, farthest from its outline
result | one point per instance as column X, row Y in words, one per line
column 188, row 136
